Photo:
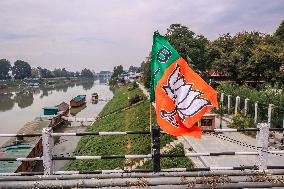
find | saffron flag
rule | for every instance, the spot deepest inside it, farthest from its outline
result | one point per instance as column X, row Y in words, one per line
column 182, row 97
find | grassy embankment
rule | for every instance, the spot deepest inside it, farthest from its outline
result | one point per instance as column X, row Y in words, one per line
column 133, row 119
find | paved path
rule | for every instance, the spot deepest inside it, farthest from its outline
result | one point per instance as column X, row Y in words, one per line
column 228, row 142
column 213, row 143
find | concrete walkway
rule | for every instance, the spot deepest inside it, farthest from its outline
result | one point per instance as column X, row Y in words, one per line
column 226, row 142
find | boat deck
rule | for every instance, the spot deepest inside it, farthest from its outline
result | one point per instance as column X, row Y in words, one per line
column 23, row 148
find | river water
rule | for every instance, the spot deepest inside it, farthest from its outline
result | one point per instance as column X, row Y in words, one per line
column 20, row 107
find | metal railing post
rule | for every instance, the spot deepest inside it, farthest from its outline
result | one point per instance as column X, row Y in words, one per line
column 255, row 112
column 229, row 104
column 48, row 146
column 221, row 104
column 269, row 114
column 156, row 148
column 282, row 139
column 237, row 105
column 246, row 106
column 222, row 97
column 262, row 145
column 221, row 114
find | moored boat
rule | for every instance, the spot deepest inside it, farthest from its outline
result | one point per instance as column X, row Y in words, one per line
column 95, row 98
column 78, row 101
column 64, row 108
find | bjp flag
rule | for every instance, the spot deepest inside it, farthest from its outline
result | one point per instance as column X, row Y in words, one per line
column 182, row 97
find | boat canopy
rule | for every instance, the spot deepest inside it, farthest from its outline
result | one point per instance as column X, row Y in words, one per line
column 79, row 98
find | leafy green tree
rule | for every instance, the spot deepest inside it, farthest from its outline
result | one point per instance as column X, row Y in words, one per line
column 21, row 70
column 146, row 66
column 45, row 73
column 87, row 73
column 77, row 74
column 57, row 72
column 5, row 67
column 265, row 63
column 230, row 55
column 280, row 31
column 190, row 46
column 117, row 70
column 35, row 73
column 62, row 73
column 247, row 56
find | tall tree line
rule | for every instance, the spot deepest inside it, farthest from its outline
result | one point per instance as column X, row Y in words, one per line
column 246, row 56
column 22, row 70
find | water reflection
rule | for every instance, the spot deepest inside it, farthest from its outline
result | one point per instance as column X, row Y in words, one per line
column 103, row 80
column 25, row 98
column 87, row 85
column 74, row 111
column 6, row 102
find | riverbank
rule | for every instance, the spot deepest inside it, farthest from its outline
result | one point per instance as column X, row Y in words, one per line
column 25, row 107
column 135, row 118
column 20, row 107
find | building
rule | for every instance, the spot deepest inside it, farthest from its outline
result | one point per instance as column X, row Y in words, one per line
column 105, row 74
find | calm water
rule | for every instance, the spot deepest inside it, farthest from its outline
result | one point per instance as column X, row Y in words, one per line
column 18, row 108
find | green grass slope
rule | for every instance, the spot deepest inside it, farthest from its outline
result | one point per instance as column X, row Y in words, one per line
column 134, row 118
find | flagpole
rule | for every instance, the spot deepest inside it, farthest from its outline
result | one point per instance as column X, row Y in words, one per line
column 151, row 127
column 150, row 116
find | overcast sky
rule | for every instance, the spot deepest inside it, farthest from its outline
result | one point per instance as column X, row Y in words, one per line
column 99, row 34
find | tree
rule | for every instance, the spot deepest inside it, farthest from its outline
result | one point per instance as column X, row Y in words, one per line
column 35, row 73
column 117, row 70
column 146, row 66
column 87, row 73
column 57, row 72
column 265, row 63
column 190, row 46
column 77, row 74
column 280, row 31
column 5, row 67
column 134, row 69
column 21, row 70
column 45, row 73
column 230, row 55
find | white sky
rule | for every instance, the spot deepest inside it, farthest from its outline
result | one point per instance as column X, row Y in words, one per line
column 102, row 34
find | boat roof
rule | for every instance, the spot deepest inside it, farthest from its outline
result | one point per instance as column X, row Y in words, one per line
column 79, row 98
column 51, row 108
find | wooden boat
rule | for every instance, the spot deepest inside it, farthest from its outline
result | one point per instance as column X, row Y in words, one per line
column 95, row 98
column 78, row 101
column 64, row 108
column 50, row 111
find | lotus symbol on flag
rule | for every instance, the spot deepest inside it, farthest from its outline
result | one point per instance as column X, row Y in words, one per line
column 187, row 101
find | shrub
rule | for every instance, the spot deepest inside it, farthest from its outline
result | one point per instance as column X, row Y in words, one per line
column 135, row 99
column 240, row 121
column 133, row 86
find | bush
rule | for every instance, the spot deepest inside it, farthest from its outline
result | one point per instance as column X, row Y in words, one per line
column 133, row 86
column 265, row 95
column 170, row 162
column 240, row 121
column 135, row 99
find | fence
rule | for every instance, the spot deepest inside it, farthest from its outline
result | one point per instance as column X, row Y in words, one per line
column 259, row 112
column 48, row 157
column 194, row 177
